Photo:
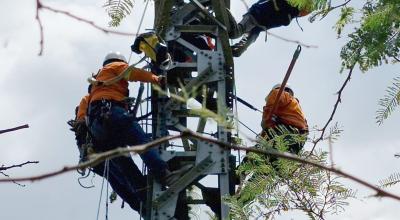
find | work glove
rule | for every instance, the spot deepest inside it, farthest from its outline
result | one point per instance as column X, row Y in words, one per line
column 162, row 81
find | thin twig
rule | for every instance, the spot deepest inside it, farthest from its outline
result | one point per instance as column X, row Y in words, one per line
column 6, row 175
column 97, row 158
column 40, row 6
column 18, row 165
column 339, row 100
column 291, row 41
column 14, row 129
column 325, row 12
column 292, row 157
column 2, row 168
column 68, row 14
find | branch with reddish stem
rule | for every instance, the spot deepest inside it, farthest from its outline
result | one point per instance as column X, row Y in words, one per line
column 338, row 101
column 40, row 6
column 98, row 158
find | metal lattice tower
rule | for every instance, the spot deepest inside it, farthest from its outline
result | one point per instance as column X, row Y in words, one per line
column 184, row 25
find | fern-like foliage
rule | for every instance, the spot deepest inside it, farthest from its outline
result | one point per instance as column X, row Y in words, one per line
column 376, row 38
column 390, row 181
column 268, row 189
column 118, row 10
column 389, row 102
column 346, row 17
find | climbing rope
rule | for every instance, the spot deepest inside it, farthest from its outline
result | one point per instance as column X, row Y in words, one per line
column 108, row 185
column 105, row 176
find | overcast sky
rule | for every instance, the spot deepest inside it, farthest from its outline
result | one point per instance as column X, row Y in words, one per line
column 43, row 92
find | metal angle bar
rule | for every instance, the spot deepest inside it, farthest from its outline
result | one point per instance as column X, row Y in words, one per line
column 199, row 80
column 211, row 29
column 206, row 13
column 183, row 182
column 183, row 65
column 196, row 202
column 188, row 45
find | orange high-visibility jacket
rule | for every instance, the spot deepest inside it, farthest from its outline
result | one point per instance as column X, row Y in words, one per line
column 119, row 90
column 288, row 111
column 82, row 109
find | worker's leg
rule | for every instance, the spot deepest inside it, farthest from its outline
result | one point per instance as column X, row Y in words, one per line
column 249, row 38
column 134, row 196
column 126, row 131
column 262, row 15
column 273, row 13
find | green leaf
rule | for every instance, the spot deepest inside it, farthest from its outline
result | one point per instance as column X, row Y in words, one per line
column 389, row 102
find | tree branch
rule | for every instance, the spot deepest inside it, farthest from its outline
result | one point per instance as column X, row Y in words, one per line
column 338, row 101
column 18, row 165
column 14, row 129
column 41, row 6
column 97, row 158
column 291, row 41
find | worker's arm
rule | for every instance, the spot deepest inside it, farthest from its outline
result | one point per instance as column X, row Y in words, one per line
column 284, row 100
column 137, row 74
column 82, row 109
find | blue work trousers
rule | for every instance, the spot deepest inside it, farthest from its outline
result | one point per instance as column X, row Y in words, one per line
column 112, row 126
column 273, row 13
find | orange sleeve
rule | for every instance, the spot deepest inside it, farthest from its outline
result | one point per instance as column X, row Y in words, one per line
column 83, row 106
column 142, row 76
column 284, row 99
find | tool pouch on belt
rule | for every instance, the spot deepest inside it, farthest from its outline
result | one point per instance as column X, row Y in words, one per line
column 152, row 46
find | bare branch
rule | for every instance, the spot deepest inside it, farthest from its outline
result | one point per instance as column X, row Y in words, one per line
column 97, row 158
column 38, row 7
column 339, row 100
column 14, row 129
column 6, row 175
column 291, row 41
column 41, row 6
column 18, row 165
column 3, row 168
column 325, row 12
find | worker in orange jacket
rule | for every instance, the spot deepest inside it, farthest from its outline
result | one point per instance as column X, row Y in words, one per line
column 288, row 116
column 263, row 15
column 124, row 176
column 111, row 125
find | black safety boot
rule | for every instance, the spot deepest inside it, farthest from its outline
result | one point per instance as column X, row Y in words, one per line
column 244, row 43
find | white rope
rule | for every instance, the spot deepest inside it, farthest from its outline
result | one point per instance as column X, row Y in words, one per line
column 108, row 183
column 101, row 191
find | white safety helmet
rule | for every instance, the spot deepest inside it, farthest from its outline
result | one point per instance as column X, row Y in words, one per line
column 286, row 87
column 113, row 56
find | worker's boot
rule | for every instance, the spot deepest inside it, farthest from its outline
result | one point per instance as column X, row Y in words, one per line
column 244, row 43
column 236, row 30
